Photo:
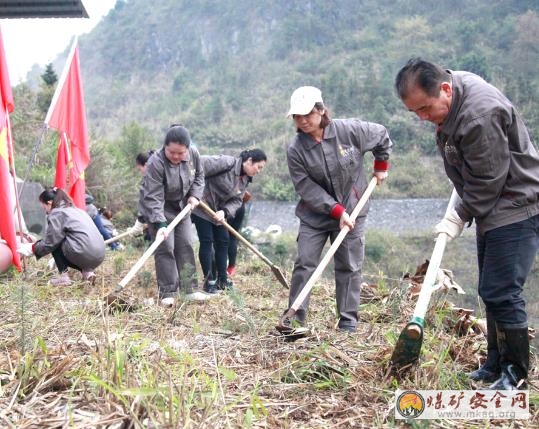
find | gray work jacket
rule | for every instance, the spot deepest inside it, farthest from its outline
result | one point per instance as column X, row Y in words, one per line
column 331, row 172
column 488, row 155
column 166, row 187
column 73, row 230
column 224, row 185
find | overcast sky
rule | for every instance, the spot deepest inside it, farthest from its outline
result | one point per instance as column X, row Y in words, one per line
column 39, row 41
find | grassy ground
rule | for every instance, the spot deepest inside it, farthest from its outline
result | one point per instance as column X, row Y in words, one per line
column 69, row 360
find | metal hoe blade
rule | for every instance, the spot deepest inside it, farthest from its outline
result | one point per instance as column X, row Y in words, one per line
column 290, row 332
column 279, row 276
column 408, row 348
column 274, row 268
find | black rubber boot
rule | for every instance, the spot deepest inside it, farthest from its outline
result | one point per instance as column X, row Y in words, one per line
column 514, row 347
column 490, row 370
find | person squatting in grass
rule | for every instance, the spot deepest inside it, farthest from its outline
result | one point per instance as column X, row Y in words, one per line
column 93, row 212
column 71, row 236
column 226, row 178
column 325, row 161
column 173, row 178
column 106, row 220
column 494, row 167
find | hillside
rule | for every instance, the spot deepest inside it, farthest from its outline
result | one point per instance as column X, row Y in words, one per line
column 226, row 70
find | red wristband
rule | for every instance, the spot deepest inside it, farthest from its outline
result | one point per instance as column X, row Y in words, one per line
column 381, row 165
column 337, row 211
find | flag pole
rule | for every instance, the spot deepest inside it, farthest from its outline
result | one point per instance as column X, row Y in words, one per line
column 13, row 172
column 67, row 143
column 14, row 176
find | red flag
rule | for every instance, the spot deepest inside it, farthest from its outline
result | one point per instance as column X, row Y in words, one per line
column 62, row 161
column 7, row 225
column 68, row 116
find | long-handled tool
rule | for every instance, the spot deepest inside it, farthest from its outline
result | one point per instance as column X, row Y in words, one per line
column 118, row 237
column 408, row 347
column 149, row 252
column 274, row 268
column 283, row 327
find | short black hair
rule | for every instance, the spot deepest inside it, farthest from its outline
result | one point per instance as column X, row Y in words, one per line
column 178, row 134
column 256, row 155
column 423, row 74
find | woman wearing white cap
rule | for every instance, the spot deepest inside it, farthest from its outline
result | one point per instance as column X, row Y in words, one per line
column 325, row 161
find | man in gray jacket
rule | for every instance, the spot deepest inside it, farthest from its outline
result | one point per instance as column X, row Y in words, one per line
column 494, row 166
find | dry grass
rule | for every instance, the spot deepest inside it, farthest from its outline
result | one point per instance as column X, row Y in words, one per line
column 67, row 360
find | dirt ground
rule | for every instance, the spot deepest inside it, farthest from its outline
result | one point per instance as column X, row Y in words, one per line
column 70, row 360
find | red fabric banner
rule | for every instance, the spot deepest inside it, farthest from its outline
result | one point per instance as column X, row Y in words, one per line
column 67, row 115
column 7, row 223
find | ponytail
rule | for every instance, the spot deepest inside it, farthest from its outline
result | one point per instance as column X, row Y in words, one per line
column 57, row 196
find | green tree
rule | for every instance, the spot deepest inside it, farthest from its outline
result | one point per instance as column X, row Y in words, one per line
column 49, row 76
column 475, row 63
column 48, row 86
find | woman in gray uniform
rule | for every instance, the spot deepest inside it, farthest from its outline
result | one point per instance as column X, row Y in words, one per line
column 71, row 236
column 173, row 178
column 226, row 179
column 325, row 161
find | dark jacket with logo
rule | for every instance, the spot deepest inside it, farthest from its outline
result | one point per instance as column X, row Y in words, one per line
column 224, row 185
column 166, row 187
column 488, row 155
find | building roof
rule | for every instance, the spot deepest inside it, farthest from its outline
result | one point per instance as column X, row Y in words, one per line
column 42, row 9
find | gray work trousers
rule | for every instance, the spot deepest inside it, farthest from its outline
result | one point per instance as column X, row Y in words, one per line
column 348, row 261
column 175, row 267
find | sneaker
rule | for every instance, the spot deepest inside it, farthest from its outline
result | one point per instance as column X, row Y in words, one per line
column 231, row 270
column 167, row 302
column 211, row 288
column 197, row 296
column 225, row 285
column 61, row 280
column 116, row 246
column 88, row 276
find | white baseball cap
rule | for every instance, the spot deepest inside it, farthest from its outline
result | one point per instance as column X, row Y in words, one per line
column 303, row 100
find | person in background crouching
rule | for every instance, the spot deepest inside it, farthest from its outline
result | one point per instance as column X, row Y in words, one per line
column 71, row 236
